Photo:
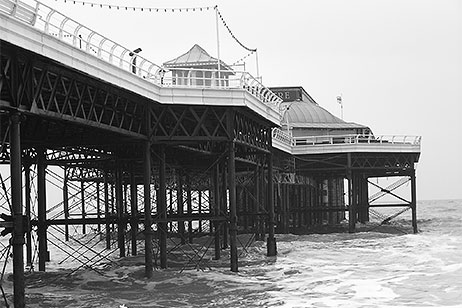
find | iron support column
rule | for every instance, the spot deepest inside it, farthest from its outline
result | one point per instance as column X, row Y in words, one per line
column 232, row 207
column 271, row 241
column 224, row 206
column 189, row 207
column 351, row 199
column 148, row 254
column 18, row 227
column 98, row 206
column 414, row 201
column 162, row 209
column 134, row 211
column 107, row 211
column 216, row 206
column 120, row 211
column 28, row 230
column 180, row 208
column 82, row 202
column 66, row 205
column 42, row 227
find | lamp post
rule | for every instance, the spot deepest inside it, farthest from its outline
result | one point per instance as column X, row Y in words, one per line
column 133, row 55
column 283, row 110
column 339, row 100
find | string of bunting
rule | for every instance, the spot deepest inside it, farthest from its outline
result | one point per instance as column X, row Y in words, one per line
column 154, row 9
column 243, row 58
column 139, row 8
column 232, row 34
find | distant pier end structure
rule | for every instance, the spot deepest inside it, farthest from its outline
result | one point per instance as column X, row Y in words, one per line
column 160, row 158
column 334, row 168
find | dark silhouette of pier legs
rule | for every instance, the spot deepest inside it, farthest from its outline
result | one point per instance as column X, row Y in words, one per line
column 148, row 257
column 16, row 202
column 232, row 207
column 414, row 201
column 162, row 209
column 42, row 226
column 271, row 241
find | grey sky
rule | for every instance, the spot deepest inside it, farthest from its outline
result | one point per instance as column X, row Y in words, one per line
column 397, row 63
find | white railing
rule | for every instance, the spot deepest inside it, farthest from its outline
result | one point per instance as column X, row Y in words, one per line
column 285, row 141
column 65, row 29
column 357, row 139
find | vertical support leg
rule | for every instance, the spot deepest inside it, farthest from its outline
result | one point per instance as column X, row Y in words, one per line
column 148, row 254
column 180, row 207
column 271, row 241
column 224, row 206
column 232, row 207
column 363, row 199
column 28, row 215
column 42, row 227
column 256, row 202
column 120, row 212
column 98, row 206
column 170, row 208
column 107, row 211
column 414, row 201
column 134, row 211
column 199, row 203
column 351, row 198
column 189, row 207
column 162, row 209
column 216, row 206
column 18, row 228
column 82, row 201
column 66, row 205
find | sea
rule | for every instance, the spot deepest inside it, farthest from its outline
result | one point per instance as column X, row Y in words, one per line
column 376, row 267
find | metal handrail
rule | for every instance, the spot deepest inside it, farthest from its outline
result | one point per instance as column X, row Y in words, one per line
column 66, row 29
column 358, row 139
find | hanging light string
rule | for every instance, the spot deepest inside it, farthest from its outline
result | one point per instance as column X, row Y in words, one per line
column 139, row 8
column 243, row 58
column 231, row 33
column 165, row 10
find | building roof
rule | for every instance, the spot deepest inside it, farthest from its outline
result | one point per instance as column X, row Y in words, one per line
column 195, row 57
column 311, row 115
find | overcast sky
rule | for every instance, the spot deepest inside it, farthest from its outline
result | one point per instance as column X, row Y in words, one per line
column 397, row 64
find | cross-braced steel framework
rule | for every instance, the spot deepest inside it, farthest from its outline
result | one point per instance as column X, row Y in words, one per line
column 125, row 162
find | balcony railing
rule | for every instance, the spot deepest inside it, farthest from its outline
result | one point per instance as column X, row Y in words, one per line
column 285, row 141
column 65, row 29
column 357, row 139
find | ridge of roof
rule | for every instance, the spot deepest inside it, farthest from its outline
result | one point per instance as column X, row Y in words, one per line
column 195, row 56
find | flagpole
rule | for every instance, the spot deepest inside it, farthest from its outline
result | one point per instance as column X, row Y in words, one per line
column 218, row 45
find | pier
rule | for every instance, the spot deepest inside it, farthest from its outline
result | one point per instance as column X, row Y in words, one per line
column 160, row 153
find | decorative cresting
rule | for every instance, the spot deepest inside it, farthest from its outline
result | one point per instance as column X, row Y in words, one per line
column 51, row 22
column 36, row 87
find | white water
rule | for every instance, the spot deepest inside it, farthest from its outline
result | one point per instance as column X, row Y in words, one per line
column 366, row 269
